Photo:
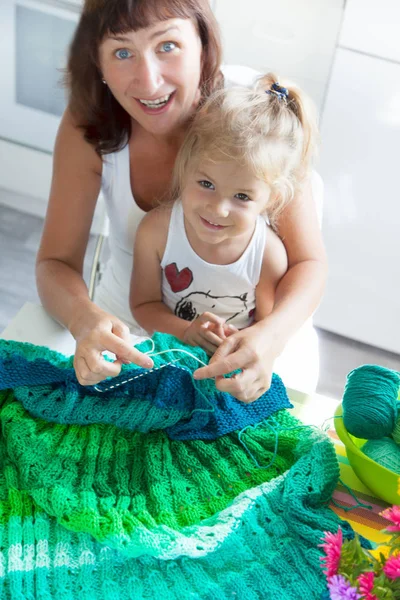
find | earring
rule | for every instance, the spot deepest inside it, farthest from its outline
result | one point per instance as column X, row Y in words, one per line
column 104, row 81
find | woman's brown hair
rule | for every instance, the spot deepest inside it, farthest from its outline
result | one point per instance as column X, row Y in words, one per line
column 105, row 123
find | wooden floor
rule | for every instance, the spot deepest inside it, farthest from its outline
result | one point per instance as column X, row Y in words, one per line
column 19, row 240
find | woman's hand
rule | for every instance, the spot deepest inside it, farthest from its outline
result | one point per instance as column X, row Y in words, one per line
column 96, row 331
column 208, row 331
column 253, row 350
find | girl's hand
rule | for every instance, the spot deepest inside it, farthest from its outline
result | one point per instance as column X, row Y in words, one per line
column 207, row 331
column 96, row 331
column 252, row 350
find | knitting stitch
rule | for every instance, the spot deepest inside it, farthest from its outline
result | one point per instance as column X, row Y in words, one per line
column 102, row 510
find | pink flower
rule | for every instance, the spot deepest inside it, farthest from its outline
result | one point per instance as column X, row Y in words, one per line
column 392, row 514
column 366, row 581
column 332, row 547
column 392, row 567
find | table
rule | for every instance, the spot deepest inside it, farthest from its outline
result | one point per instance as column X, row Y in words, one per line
column 32, row 324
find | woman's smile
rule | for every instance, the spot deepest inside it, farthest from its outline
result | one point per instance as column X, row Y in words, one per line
column 157, row 106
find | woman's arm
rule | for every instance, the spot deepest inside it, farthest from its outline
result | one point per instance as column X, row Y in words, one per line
column 274, row 267
column 59, row 266
column 297, row 296
column 73, row 196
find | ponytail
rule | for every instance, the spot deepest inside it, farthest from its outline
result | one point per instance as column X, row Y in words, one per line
column 288, row 98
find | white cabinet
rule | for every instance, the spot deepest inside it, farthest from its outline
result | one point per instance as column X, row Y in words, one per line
column 360, row 168
column 372, row 27
column 34, row 37
column 294, row 38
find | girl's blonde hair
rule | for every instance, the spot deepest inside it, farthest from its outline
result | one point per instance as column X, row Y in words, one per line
column 271, row 133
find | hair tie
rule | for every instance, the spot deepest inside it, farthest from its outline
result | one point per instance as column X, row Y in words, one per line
column 281, row 92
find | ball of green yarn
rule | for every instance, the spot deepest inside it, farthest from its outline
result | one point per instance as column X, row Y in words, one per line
column 370, row 404
column 385, row 452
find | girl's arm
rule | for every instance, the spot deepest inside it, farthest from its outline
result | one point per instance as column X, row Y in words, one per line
column 145, row 292
column 74, row 191
column 297, row 296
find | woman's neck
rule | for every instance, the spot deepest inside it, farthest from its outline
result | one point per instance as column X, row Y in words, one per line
column 171, row 140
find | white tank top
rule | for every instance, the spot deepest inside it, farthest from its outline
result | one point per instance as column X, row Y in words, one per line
column 112, row 293
column 192, row 286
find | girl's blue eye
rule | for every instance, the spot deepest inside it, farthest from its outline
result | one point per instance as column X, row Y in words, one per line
column 243, row 197
column 122, row 54
column 168, row 46
column 206, row 184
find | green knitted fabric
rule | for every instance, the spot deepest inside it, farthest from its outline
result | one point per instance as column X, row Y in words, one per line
column 99, row 512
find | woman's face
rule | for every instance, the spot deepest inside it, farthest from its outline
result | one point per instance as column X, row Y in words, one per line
column 154, row 73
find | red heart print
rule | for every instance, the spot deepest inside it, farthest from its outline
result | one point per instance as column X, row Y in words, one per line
column 178, row 280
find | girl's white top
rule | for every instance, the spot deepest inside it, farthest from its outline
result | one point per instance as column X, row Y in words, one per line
column 192, row 286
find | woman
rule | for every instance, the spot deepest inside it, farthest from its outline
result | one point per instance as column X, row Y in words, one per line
column 138, row 70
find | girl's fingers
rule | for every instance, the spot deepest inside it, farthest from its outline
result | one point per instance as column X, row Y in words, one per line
column 229, row 330
column 209, row 316
column 213, row 338
column 204, row 343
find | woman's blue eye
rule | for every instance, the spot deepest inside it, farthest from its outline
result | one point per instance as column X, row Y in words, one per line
column 206, row 184
column 122, row 54
column 243, row 197
column 168, row 46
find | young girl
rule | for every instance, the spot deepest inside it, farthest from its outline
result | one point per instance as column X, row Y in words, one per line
column 209, row 264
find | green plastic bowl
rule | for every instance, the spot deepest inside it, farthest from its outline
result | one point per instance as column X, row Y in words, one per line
column 381, row 481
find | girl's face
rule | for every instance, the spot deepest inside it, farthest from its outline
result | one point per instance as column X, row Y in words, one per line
column 221, row 201
column 154, row 73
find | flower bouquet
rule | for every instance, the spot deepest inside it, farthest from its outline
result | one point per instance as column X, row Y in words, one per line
column 354, row 573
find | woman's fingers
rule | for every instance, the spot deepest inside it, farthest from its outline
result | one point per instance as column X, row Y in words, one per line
column 93, row 369
column 224, row 361
column 246, row 386
column 121, row 330
column 89, row 363
column 236, row 354
column 126, row 353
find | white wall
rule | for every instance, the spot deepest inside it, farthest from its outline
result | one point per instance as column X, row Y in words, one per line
column 359, row 164
column 293, row 38
column 25, row 171
column 25, row 178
